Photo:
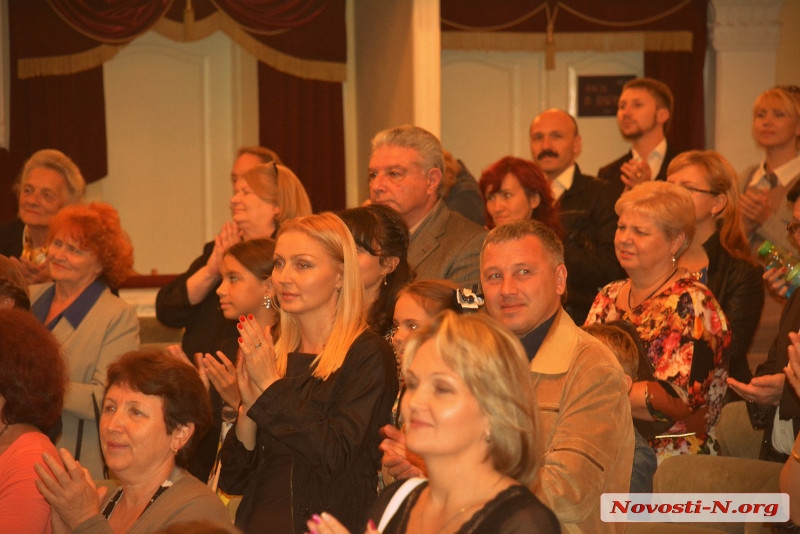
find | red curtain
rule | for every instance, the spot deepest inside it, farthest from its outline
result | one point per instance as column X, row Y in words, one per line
column 68, row 112
column 681, row 71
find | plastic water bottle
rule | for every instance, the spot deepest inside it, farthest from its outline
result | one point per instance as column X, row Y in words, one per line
column 777, row 257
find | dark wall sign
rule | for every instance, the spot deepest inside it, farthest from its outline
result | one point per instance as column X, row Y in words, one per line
column 598, row 95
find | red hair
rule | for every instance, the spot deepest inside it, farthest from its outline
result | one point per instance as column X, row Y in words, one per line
column 96, row 227
column 33, row 373
column 532, row 180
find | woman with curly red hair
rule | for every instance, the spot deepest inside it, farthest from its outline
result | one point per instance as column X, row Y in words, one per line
column 33, row 380
column 514, row 189
column 88, row 255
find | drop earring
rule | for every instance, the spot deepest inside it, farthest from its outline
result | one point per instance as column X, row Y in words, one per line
column 267, row 302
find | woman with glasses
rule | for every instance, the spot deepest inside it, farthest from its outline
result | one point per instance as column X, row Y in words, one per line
column 719, row 255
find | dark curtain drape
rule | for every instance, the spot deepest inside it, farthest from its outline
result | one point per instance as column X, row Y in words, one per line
column 285, row 113
column 67, row 111
column 681, row 71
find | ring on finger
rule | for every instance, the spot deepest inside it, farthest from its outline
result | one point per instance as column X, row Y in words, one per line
column 259, row 345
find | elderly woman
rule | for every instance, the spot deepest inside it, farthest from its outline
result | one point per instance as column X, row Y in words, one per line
column 515, row 189
column 471, row 415
column 88, row 255
column 33, row 379
column 719, row 255
column 306, row 438
column 680, row 324
column 381, row 238
column 153, row 407
column 265, row 195
column 48, row 182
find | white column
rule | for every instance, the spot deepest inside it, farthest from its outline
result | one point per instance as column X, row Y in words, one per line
column 427, row 68
column 745, row 35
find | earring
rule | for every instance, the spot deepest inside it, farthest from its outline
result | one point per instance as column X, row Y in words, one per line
column 674, row 261
column 385, row 282
column 267, row 302
column 487, row 436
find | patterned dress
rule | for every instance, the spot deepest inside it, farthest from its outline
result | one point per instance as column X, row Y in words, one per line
column 684, row 332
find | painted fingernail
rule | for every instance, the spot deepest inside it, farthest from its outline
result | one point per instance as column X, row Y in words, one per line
column 241, row 340
column 316, row 519
column 371, row 524
column 250, row 316
column 241, row 318
column 240, row 326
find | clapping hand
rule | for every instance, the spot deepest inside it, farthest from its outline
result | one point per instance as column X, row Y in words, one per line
column 257, row 367
column 221, row 374
column 634, row 172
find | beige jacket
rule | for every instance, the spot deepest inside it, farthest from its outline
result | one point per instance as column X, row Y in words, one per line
column 586, row 426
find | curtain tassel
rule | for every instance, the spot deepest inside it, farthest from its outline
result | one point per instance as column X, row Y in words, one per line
column 188, row 21
column 550, row 43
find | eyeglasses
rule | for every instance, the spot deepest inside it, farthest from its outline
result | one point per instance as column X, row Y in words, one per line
column 793, row 228
column 692, row 189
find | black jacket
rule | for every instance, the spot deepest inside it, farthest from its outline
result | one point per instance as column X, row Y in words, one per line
column 739, row 289
column 328, row 434
column 586, row 212
column 11, row 238
column 611, row 173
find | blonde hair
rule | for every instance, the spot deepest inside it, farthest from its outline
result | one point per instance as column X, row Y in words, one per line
column 278, row 185
column 57, row 161
column 789, row 99
column 722, row 180
column 493, row 365
column 668, row 204
column 349, row 319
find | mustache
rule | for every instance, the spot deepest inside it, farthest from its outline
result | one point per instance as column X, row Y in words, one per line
column 546, row 154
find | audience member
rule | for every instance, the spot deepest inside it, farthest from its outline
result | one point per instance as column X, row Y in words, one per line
column 381, row 238
column 586, row 428
column 405, row 173
column 515, row 189
column 461, row 189
column 153, row 408
column 644, row 110
column 418, row 304
column 773, row 405
column 776, row 129
column 88, row 255
column 481, row 446
column 306, row 439
column 790, row 474
column 246, row 289
column 33, row 381
column 585, row 206
column 265, row 194
column 719, row 255
column 49, row 181
column 624, row 346
column 680, row 324
column 13, row 286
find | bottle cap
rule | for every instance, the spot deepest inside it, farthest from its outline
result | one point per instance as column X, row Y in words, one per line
column 765, row 247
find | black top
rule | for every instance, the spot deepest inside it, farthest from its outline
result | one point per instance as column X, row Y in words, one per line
column 317, row 442
column 514, row 510
column 11, row 238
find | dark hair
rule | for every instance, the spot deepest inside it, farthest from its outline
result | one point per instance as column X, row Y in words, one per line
column 383, row 233
column 255, row 255
column 13, row 285
column 154, row 372
column 658, row 90
column 434, row 296
column 33, row 373
column 532, row 180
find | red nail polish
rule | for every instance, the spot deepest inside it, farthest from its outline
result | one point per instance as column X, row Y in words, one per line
column 241, row 340
column 316, row 519
column 240, row 326
column 371, row 524
column 250, row 316
column 241, row 318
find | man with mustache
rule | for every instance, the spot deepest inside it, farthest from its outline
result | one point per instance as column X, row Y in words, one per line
column 586, row 210
column 644, row 110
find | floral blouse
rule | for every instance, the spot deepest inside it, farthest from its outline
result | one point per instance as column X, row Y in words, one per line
column 684, row 332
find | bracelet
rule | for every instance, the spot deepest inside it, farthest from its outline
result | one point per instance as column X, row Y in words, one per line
column 795, row 456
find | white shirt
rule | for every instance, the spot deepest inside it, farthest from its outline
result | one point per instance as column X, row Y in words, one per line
column 562, row 182
column 785, row 172
column 655, row 159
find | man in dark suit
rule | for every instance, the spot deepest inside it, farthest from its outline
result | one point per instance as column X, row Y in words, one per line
column 586, row 210
column 405, row 173
column 643, row 113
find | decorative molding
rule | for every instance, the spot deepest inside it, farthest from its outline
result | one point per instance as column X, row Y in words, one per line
column 666, row 41
column 745, row 25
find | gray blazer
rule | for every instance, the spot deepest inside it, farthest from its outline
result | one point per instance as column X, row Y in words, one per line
column 109, row 330
column 447, row 245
